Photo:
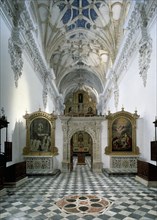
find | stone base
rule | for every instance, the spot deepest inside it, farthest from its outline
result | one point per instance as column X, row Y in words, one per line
column 146, row 182
column 119, row 172
column 39, row 165
column 65, row 166
column 3, row 192
column 15, row 184
column 127, row 163
column 97, row 167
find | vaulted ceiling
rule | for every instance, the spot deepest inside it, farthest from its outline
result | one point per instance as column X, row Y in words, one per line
column 80, row 40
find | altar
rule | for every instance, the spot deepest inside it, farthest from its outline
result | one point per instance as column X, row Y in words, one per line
column 81, row 158
column 40, row 151
column 81, row 154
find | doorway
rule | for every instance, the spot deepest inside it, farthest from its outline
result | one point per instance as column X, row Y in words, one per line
column 81, row 150
column 90, row 125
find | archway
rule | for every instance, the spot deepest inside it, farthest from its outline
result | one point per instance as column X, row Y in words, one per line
column 81, row 149
column 91, row 125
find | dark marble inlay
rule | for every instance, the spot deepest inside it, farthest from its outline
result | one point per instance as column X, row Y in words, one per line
column 71, row 200
column 83, row 208
column 94, row 200
column 96, row 205
column 83, row 204
column 70, row 206
column 82, row 198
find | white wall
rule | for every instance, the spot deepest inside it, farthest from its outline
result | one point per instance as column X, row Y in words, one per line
column 59, row 143
column 133, row 95
column 104, row 143
column 16, row 101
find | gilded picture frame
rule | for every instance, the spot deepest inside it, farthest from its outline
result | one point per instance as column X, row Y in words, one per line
column 40, row 134
column 122, row 133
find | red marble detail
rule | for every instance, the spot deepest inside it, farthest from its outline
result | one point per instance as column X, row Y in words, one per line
column 83, row 204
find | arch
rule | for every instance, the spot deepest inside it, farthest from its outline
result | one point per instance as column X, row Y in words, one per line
column 71, row 125
column 81, row 128
column 81, row 146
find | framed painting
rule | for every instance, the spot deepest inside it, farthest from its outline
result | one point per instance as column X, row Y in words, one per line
column 122, row 133
column 40, row 134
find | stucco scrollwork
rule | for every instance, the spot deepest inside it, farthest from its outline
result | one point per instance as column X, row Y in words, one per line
column 145, row 47
column 15, row 52
column 145, row 51
column 15, row 44
column 45, row 90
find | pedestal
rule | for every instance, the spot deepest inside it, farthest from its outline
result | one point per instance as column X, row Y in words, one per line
column 81, row 158
column 39, row 164
column 124, row 164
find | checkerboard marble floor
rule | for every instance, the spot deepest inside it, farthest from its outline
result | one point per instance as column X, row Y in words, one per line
column 36, row 198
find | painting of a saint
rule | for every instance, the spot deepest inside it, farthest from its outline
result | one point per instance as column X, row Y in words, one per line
column 121, row 135
column 40, row 135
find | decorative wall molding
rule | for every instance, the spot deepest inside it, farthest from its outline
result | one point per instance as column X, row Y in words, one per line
column 116, row 98
column 145, row 51
column 39, row 165
column 59, row 104
column 15, row 44
column 124, row 163
column 145, row 47
column 15, row 51
column 91, row 125
column 45, row 93
column 115, row 90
